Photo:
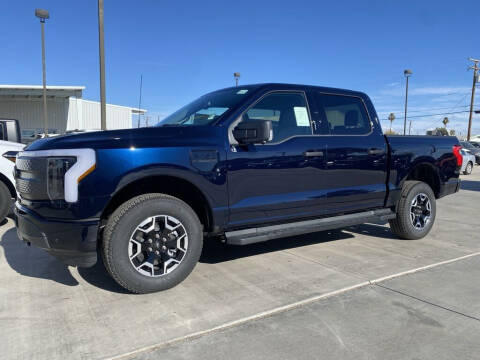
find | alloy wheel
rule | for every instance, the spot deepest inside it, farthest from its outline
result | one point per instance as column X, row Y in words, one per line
column 420, row 211
column 158, row 245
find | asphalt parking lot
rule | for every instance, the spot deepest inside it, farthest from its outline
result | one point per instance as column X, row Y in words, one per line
column 358, row 292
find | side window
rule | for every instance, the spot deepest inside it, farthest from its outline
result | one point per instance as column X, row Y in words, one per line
column 287, row 111
column 345, row 115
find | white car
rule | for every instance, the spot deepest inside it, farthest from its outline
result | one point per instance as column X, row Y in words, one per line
column 9, row 147
column 468, row 161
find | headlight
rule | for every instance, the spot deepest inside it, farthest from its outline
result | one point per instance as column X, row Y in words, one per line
column 11, row 155
column 65, row 169
column 56, row 170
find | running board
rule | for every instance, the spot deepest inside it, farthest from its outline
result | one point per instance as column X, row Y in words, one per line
column 254, row 235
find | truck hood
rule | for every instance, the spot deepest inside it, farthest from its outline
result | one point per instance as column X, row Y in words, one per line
column 10, row 146
column 127, row 138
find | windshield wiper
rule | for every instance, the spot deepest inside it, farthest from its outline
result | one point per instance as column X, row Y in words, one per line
column 168, row 125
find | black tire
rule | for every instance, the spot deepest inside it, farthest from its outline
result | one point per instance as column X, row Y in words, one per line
column 5, row 201
column 402, row 225
column 468, row 168
column 122, row 224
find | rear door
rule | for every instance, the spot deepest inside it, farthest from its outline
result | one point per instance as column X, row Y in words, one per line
column 281, row 179
column 356, row 153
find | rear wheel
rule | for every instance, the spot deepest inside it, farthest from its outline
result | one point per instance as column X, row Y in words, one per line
column 416, row 211
column 5, row 201
column 468, row 168
column 152, row 242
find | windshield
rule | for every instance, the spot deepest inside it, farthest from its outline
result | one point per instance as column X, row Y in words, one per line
column 467, row 145
column 206, row 109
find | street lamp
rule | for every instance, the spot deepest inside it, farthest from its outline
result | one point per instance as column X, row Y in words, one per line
column 43, row 15
column 236, row 75
column 407, row 73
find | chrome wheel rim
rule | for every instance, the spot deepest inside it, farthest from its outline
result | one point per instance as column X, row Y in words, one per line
column 420, row 211
column 158, row 245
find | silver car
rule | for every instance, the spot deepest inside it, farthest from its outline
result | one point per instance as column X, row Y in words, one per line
column 468, row 161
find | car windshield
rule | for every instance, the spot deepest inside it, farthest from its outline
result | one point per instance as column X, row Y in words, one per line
column 206, row 109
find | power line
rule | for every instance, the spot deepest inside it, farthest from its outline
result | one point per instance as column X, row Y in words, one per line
column 426, row 115
column 432, row 109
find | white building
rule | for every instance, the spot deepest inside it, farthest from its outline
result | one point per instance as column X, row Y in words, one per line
column 65, row 108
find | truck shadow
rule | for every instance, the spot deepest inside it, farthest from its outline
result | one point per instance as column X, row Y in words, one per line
column 34, row 262
column 98, row 276
column 215, row 252
column 471, row 185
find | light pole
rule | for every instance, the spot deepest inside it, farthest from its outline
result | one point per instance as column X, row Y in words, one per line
column 43, row 15
column 101, row 50
column 407, row 74
column 236, row 75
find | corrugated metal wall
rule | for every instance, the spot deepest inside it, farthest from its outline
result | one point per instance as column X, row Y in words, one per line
column 29, row 112
column 63, row 114
column 85, row 114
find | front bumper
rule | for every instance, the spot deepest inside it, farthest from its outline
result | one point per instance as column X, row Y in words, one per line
column 73, row 242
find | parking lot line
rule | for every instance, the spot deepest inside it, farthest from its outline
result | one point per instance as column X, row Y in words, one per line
column 284, row 308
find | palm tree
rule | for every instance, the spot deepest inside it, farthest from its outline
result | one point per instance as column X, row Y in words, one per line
column 445, row 121
column 391, row 117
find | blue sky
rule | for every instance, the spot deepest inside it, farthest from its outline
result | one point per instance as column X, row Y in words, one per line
column 187, row 48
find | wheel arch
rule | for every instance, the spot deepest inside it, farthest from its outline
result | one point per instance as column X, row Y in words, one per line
column 427, row 173
column 170, row 184
column 9, row 185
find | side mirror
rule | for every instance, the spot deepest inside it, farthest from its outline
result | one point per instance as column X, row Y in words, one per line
column 253, row 132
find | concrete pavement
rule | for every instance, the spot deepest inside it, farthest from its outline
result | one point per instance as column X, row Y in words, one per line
column 51, row 311
column 431, row 314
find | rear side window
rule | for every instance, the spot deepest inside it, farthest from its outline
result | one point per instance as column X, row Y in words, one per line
column 344, row 115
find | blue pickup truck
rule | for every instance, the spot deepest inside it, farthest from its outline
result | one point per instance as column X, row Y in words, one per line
column 239, row 165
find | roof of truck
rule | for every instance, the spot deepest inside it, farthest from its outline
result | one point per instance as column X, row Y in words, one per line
column 285, row 86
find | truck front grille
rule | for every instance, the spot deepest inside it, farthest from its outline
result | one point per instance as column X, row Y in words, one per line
column 31, row 178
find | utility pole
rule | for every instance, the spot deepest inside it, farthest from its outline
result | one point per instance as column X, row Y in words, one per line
column 43, row 15
column 101, row 47
column 475, row 69
column 407, row 73
column 410, row 127
column 140, row 100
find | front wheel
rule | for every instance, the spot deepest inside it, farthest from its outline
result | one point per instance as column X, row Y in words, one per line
column 468, row 169
column 151, row 243
column 416, row 211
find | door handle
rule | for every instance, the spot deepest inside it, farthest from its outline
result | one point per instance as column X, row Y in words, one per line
column 375, row 151
column 313, row 153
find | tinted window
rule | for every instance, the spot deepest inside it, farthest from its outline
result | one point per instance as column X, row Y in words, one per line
column 344, row 115
column 287, row 111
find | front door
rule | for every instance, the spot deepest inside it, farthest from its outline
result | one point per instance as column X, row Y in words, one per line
column 281, row 179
